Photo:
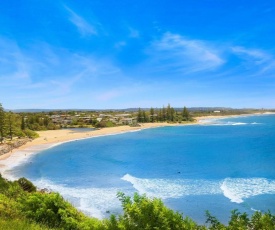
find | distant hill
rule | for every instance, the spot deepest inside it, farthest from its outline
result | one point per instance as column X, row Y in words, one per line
column 192, row 109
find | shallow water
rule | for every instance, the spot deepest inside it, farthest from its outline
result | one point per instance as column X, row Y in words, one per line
column 218, row 166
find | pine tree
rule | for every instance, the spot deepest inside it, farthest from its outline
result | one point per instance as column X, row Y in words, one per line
column 23, row 122
column 144, row 116
column 159, row 117
column 139, row 116
column 10, row 124
column 185, row 114
column 163, row 114
column 152, row 112
column 2, row 123
column 168, row 111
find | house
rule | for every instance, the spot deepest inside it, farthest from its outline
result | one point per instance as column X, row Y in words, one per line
column 99, row 119
column 128, row 121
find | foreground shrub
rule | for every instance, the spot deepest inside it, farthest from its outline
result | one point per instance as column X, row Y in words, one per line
column 241, row 221
column 8, row 208
column 19, row 224
column 52, row 210
column 30, row 133
column 142, row 212
column 26, row 185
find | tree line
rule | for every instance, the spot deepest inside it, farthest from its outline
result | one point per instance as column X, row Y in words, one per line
column 23, row 124
column 165, row 114
column 14, row 125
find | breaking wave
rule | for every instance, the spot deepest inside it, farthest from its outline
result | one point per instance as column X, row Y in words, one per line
column 235, row 189
column 228, row 123
column 239, row 189
column 166, row 188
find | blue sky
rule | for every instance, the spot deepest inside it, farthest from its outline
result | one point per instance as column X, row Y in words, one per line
column 119, row 54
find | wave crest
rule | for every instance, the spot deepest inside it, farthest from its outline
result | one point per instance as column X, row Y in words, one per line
column 169, row 188
column 236, row 189
column 239, row 189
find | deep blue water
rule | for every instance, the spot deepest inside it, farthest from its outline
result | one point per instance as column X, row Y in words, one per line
column 219, row 166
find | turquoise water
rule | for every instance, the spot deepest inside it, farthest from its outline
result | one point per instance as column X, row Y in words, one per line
column 219, row 165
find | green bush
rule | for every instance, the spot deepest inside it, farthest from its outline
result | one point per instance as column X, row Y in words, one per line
column 30, row 133
column 142, row 212
column 4, row 184
column 52, row 210
column 26, row 185
column 8, row 207
column 10, row 189
column 19, row 133
column 19, row 224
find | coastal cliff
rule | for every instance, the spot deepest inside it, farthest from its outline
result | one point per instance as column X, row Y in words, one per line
column 8, row 147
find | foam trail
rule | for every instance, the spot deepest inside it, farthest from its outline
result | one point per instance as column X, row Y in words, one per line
column 255, row 210
column 238, row 189
column 255, row 123
column 169, row 188
column 228, row 123
column 231, row 195
column 238, row 123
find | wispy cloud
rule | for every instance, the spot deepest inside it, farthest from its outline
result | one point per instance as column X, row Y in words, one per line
column 258, row 56
column 179, row 54
column 48, row 73
column 261, row 59
column 14, row 65
column 84, row 28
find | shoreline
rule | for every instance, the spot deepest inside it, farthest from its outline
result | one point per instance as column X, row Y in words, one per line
column 65, row 135
column 51, row 138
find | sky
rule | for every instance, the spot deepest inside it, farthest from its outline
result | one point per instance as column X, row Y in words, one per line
column 103, row 54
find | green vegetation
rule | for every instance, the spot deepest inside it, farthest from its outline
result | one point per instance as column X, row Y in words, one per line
column 19, row 200
column 38, row 122
column 104, row 123
column 23, row 207
column 166, row 114
column 13, row 125
column 25, row 124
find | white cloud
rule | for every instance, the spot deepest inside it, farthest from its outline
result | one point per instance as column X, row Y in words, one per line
column 183, row 55
column 258, row 56
column 84, row 28
column 14, row 65
column 263, row 60
column 44, row 73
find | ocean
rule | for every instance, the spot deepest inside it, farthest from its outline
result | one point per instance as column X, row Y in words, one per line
column 217, row 165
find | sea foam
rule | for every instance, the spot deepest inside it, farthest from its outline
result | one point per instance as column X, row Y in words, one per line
column 92, row 201
column 235, row 189
column 239, row 189
column 168, row 188
column 228, row 123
